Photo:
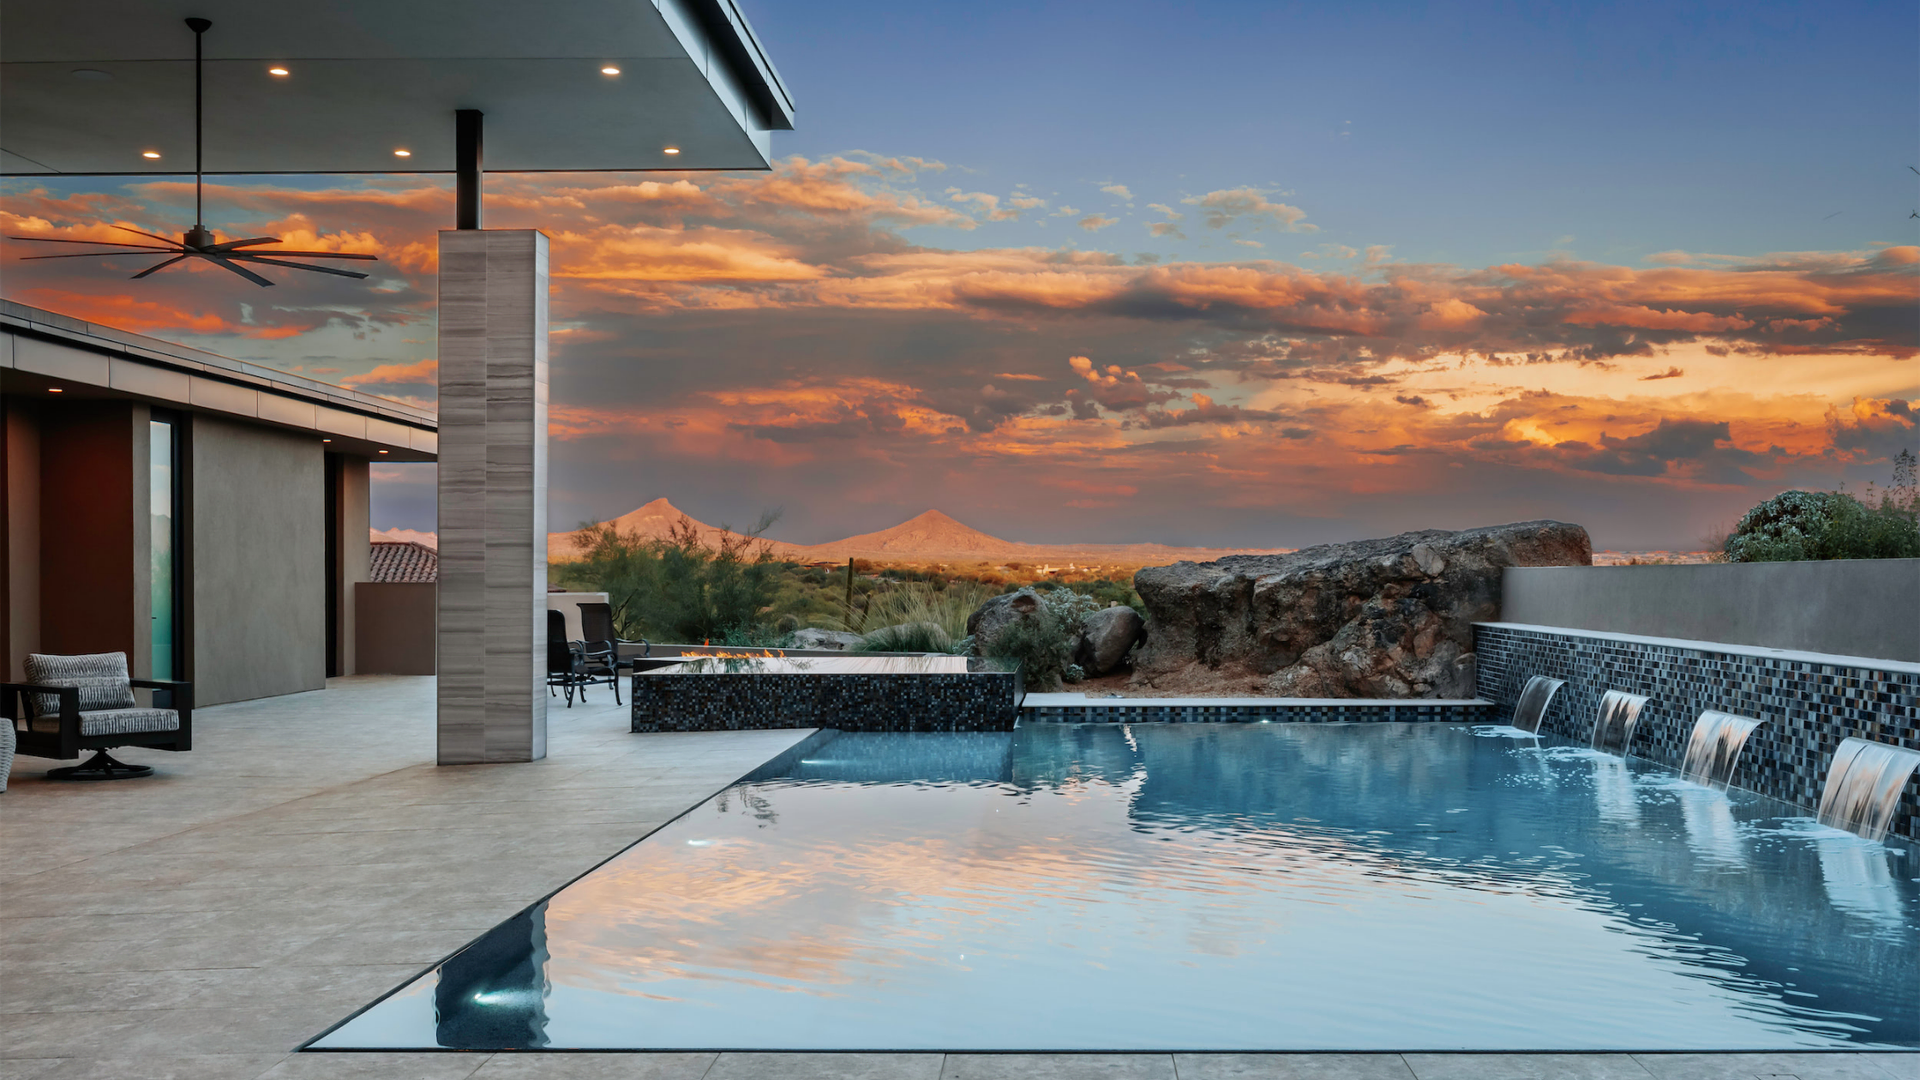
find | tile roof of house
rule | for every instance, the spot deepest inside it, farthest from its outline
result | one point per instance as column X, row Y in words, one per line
column 403, row 561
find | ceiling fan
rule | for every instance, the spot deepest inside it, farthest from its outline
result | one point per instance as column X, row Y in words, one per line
column 199, row 241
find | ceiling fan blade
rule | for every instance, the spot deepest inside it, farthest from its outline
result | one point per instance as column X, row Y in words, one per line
column 116, row 243
column 297, row 266
column 162, row 239
column 238, row 269
column 231, row 244
column 320, row 254
column 158, row 266
column 90, row 255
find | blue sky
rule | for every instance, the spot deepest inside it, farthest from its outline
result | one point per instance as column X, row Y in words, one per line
column 1471, row 134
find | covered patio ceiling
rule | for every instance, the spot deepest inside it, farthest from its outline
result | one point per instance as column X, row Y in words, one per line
column 90, row 86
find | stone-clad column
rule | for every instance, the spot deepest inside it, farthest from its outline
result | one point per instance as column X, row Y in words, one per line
column 493, row 496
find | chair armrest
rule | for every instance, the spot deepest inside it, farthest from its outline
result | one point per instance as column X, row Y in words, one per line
column 182, row 691
column 69, row 699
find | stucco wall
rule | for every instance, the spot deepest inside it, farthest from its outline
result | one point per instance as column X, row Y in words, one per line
column 396, row 627
column 258, row 520
column 1856, row 607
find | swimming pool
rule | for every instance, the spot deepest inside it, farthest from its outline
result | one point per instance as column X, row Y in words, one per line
column 1204, row 887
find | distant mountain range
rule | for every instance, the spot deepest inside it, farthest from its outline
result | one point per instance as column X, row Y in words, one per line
column 930, row 537
column 935, row 537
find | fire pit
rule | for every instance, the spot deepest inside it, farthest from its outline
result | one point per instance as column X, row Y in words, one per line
column 733, row 691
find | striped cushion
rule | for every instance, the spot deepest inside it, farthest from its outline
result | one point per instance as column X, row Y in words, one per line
column 128, row 721
column 101, row 677
column 116, row 722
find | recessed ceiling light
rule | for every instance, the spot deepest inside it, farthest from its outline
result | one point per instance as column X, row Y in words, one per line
column 671, row 150
column 383, row 451
column 91, row 74
column 609, row 70
column 326, row 440
column 152, row 154
column 276, row 71
column 403, row 153
column 55, row 390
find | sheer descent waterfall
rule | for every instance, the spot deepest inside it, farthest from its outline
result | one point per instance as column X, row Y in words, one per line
column 1863, row 786
column 1534, row 699
column 1613, row 727
column 1713, row 752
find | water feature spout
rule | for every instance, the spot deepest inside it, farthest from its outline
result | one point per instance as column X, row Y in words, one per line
column 1613, row 726
column 1713, row 752
column 1863, row 786
column 1534, row 699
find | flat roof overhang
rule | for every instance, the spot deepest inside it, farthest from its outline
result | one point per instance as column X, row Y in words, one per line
column 367, row 77
column 41, row 350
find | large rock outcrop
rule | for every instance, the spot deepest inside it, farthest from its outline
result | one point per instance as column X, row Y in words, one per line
column 1106, row 637
column 997, row 614
column 1374, row 618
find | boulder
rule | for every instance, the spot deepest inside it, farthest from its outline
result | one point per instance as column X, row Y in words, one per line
column 1373, row 618
column 996, row 614
column 824, row 639
column 1106, row 636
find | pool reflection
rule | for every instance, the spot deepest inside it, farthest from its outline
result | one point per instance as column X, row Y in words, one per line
column 1207, row 886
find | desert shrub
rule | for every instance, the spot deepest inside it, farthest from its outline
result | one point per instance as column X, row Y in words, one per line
column 906, row 637
column 1042, row 642
column 1798, row 525
column 681, row 588
column 913, row 616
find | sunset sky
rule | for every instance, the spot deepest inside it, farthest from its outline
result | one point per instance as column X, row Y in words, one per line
column 1232, row 275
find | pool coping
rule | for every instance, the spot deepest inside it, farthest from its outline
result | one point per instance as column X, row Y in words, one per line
column 1790, row 656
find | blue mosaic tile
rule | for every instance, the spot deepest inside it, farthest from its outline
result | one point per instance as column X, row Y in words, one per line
column 1808, row 706
column 917, row 701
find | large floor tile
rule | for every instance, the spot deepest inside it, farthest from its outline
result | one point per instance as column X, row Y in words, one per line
column 165, row 1067
column 1291, row 1067
column 380, row 1066
column 1059, row 1067
column 63, row 1034
column 1839, row 1066
column 661, row 1066
column 1525, row 1067
column 304, row 860
column 825, row 1067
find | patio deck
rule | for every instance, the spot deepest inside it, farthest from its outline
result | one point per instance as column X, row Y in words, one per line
column 309, row 856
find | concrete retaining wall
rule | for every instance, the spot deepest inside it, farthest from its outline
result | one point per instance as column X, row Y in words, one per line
column 1856, row 607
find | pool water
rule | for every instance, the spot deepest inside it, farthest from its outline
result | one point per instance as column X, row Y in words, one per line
column 1204, row 887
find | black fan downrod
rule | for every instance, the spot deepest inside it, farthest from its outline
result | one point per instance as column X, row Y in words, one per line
column 199, row 242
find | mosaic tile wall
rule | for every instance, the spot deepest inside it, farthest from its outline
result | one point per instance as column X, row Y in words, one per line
column 1807, row 706
column 1146, row 711
column 918, row 701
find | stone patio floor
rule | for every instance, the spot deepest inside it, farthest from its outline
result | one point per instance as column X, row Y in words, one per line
column 308, row 856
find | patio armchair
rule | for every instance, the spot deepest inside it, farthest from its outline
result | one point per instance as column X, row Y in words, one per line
column 566, row 667
column 600, row 660
column 74, row 703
